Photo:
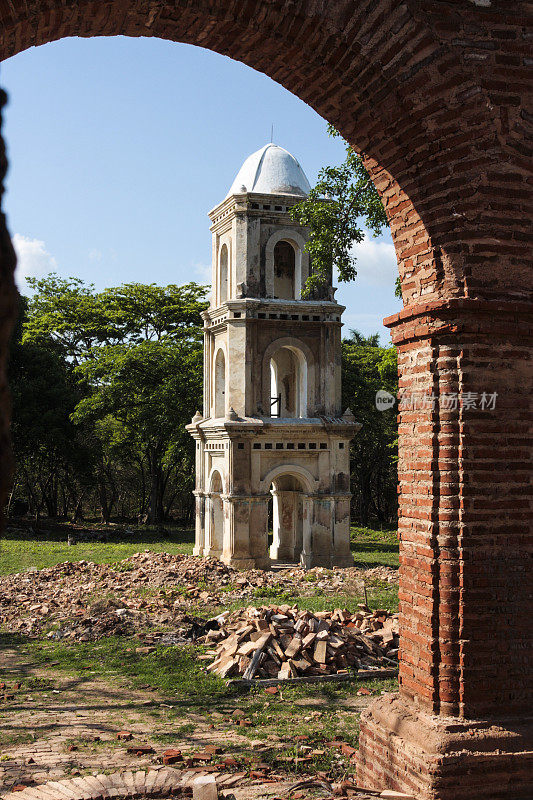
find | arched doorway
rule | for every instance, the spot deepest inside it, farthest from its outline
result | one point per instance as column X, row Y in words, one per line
column 288, row 497
column 215, row 511
column 291, row 491
column 288, row 383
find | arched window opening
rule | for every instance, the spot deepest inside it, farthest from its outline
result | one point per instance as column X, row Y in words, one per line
column 288, row 383
column 223, row 274
column 287, row 519
column 284, row 271
column 220, row 385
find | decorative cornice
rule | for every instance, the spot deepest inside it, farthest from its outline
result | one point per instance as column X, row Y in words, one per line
column 273, row 304
column 251, row 426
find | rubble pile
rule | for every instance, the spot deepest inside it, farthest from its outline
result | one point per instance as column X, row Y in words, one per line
column 285, row 642
column 85, row 601
column 108, row 597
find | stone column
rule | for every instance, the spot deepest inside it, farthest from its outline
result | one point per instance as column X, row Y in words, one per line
column 323, row 530
column 306, row 558
column 342, row 554
column 461, row 725
column 207, row 525
column 236, row 549
column 284, row 517
column 258, row 531
column 212, row 547
column 199, row 540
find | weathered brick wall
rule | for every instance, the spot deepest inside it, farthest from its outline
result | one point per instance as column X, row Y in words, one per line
column 437, row 96
column 432, row 758
column 465, row 494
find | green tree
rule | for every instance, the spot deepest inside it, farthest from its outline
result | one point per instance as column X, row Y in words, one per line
column 80, row 320
column 51, row 457
column 367, row 367
column 136, row 353
column 144, row 394
column 372, row 340
column 335, row 211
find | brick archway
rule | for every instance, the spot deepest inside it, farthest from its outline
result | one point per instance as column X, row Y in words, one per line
column 434, row 92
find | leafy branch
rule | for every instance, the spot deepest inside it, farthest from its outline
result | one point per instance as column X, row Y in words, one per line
column 339, row 207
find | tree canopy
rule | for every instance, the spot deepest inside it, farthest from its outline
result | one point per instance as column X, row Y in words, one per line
column 368, row 367
column 103, row 385
column 81, row 320
column 338, row 208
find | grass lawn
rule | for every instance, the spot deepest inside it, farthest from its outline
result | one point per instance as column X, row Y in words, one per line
column 373, row 548
column 19, row 552
column 163, row 693
column 195, row 699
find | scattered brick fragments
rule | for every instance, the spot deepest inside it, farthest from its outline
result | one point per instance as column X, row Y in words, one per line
column 172, row 756
column 283, row 642
column 61, row 594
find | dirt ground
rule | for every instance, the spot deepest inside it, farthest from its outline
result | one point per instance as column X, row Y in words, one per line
column 72, row 728
column 98, row 677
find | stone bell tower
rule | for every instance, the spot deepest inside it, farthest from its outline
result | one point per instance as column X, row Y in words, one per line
column 272, row 445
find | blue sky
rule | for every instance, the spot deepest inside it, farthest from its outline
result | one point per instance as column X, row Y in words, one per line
column 119, row 147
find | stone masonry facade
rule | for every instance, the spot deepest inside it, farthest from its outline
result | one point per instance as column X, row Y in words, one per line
column 272, row 429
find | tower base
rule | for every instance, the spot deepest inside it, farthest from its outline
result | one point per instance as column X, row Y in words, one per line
column 436, row 758
column 246, row 563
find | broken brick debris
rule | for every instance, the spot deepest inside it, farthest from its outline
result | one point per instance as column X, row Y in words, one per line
column 284, row 642
column 141, row 750
column 172, row 756
column 65, row 594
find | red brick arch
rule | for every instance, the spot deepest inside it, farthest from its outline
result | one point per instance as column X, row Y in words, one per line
column 415, row 85
column 435, row 93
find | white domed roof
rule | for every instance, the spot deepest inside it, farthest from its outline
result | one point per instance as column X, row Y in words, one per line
column 271, row 170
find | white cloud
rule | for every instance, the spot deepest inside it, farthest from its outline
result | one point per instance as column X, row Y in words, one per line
column 95, row 255
column 33, row 259
column 376, row 262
